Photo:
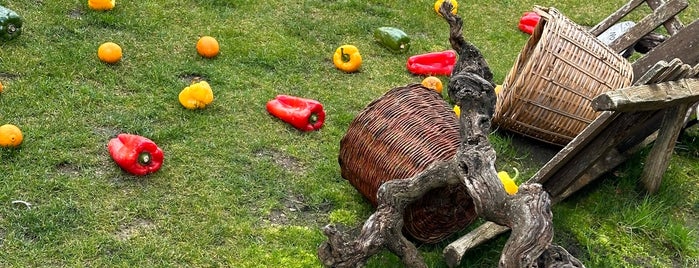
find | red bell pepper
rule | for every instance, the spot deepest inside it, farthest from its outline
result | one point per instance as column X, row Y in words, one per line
column 135, row 154
column 434, row 63
column 528, row 21
column 303, row 114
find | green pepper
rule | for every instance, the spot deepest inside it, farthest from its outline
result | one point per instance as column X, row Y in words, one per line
column 392, row 38
column 10, row 24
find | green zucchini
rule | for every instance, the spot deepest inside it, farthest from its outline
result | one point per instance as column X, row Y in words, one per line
column 392, row 38
column 10, row 24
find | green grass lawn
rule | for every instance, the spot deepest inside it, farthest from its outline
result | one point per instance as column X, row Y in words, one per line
column 239, row 187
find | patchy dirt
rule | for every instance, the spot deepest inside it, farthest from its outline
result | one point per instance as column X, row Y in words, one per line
column 192, row 77
column 75, row 13
column 133, row 229
column 68, row 168
column 297, row 211
column 281, row 159
column 8, row 76
column 106, row 132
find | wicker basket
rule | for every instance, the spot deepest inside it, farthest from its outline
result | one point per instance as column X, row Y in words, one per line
column 548, row 92
column 397, row 136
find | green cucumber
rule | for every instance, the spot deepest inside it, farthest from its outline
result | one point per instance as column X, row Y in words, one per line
column 392, row 38
column 10, row 24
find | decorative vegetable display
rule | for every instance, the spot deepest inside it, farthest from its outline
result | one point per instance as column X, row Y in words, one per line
column 457, row 111
column 347, row 58
column 438, row 4
column 10, row 24
column 303, row 114
column 394, row 39
column 196, row 96
column 1, row 87
column 509, row 183
column 528, row 21
column 136, row 154
column 101, row 5
column 207, row 47
column 10, row 136
column 434, row 83
column 434, row 63
column 109, row 52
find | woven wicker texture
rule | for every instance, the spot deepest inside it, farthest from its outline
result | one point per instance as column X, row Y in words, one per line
column 397, row 136
column 548, row 92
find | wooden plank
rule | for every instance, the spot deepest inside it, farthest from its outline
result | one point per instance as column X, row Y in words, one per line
column 568, row 152
column 648, row 24
column 680, row 73
column 674, row 47
column 615, row 17
column 612, row 159
column 456, row 250
column 648, row 97
column 652, row 74
column 668, row 74
column 673, row 25
column 694, row 72
column 617, row 131
column 659, row 156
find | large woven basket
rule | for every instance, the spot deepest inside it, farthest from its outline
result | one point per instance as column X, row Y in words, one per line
column 397, row 136
column 548, row 92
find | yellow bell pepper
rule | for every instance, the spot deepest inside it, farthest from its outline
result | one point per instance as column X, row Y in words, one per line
column 196, row 96
column 347, row 58
column 498, row 89
column 438, row 4
column 509, row 183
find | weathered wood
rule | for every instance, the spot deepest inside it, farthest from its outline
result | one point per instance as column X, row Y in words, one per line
column 669, row 73
column 673, row 25
column 566, row 154
column 383, row 229
column 612, row 159
column 652, row 74
column 660, row 154
column 648, row 24
column 674, row 47
column 694, row 72
column 648, row 97
column 615, row 17
column 594, row 152
column 483, row 233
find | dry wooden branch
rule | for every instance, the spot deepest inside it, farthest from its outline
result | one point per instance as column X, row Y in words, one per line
column 527, row 213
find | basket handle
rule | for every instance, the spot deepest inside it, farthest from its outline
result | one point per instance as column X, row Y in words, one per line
column 545, row 12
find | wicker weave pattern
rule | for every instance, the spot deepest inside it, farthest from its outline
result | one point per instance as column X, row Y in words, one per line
column 548, row 92
column 397, row 136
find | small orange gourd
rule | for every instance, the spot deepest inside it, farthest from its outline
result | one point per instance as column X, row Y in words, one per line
column 10, row 136
column 207, row 47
